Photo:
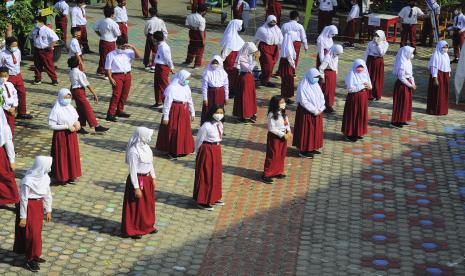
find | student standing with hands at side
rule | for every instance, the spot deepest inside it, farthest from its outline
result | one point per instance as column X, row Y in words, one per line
column 9, row 97
column 374, row 58
column 8, row 190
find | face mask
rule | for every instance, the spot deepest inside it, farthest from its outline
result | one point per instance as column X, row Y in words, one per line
column 456, row 12
column 376, row 39
column 445, row 50
column 65, row 102
column 271, row 24
column 412, row 56
column 360, row 69
column 185, row 83
column 3, row 80
column 314, row 80
column 13, row 49
column 218, row 117
column 37, row 25
column 282, row 106
column 120, row 51
column 215, row 66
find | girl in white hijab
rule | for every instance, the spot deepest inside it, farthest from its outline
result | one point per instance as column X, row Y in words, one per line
column 329, row 68
column 8, row 190
column 231, row 44
column 324, row 42
column 308, row 126
column 374, row 54
column 269, row 38
column 35, row 197
column 138, row 217
column 439, row 83
column 287, row 66
column 175, row 134
column 215, row 85
column 63, row 120
column 355, row 118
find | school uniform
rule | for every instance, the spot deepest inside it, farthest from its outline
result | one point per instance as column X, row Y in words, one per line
column 438, row 96
column 176, row 137
column 43, row 38
column 276, row 145
column 352, row 21
column 138, row 215
column 151, row 26
column 145, row 6
column 66, row 164
column 328, row 69
column 458, row 36
column 8, row 190
column 10, row 97
column 402, row 96
column 374, row 57
column 12, row 60
column 61, row 18
column 299, row 39
column 427, row 28
column 208, row 164
column 79, row 19
column 409, row 17
column 163, row 66
column 274, row 8
column 109, row 32
column 79, row 82
column 119, row 62
column 197, row 34
column 74, row 49
column 121, row 18
column 325, row 13
column 324, row 42
column 287, row 66
column 231, row 44
column 238, row 9
column 215, row 86
column 245, row 102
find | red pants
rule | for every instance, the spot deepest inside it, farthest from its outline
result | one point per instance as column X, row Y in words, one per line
column 161, row 79
column 11, row 121
column 145, row 6
column 120, row 93
column 150, row 51
column 409, row 32
column 351, row 30
column 297, row 46
column 104, row 47
column 124, row 31
column 43, row 61
column 457, row 42
column 325, row 18
column 195, row 48
column 84, row 42
column 18, row 83
column 85, row 111
column 61, row 22
column 269, row 55
column 274, row 8
column 28, row 240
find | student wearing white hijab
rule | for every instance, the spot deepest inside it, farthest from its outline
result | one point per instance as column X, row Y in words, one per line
column 215, row 85
column 374, row 57
column 64, row 121
column 231, row 45
column 138, row 216
column 175, row 134
column 439, row 82
column 269, row 38
column 308, row 126
column 245, row 102
column 328, row 69
column 8, row 190
column 35, row 197
column 355, row 118
column 324, row 42
column 286, row 68
column 403, row 88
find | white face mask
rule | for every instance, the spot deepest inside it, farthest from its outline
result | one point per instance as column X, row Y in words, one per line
column 445, row 50
column 282, row 106
column 456, row 12
column 65, row 102
column 3, row 80
column 215, row 66
column 412, row 56
column 218, row 117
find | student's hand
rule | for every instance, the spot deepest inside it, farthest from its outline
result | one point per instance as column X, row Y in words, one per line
column 12, row 111
column 154, row 182
column 322, row 80
column 95, row 99
column 13, row 166
column 112, row 82
column 72, row 128
column 205, row 103
column 22, row 223
column 165, row 122
column 138, row 193
column 436, row 81
column 48, row 218
column 414, row 87
column 77, row 125
column 173, row 71
column 192, row 118
column 289, row 136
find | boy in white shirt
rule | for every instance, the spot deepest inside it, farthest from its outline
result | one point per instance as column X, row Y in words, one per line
column 79, row 19
column 409, row 15
column 458, row 36
column 352, row 23
column 74, row 47
column 197, row 36
column 121, row 18
column 427, row 28
column 61, row 19
column 151, row 26
column 163, row 67
column 9, row 98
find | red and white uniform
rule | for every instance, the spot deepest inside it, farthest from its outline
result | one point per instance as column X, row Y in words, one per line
column 121, row 18
column 43, row 38
column 152, row 25
column 409, row 16
column 8, row 190
column 269, row 39
column 12, row 60
column 109, row 32
column 79, row 19
column 196, row 24
column 163, row 65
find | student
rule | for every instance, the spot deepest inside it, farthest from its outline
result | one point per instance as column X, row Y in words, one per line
column 79, row 83
column 79, row 19
column 308, row 128
column 121, row 18
column 329, row 69
column 61, row 18
column 268, row 38
column 44, row 40
column 8, row 190
column 245, row 102
column 35, row 197
column 197, row 36
column 10, row 57
column 325, row 15
column 324, row 42
column 355, row 118
column 274, row 7
column 374, row 57
column 301, row 37
column 195, row 4
column 118, row 66
column 64, row 121
column 403, row 88
column 108, row 31
column 163, row 67
column 208, row 162
column 10, row 98
column 215, row 86
column 152, row 25
column 138, row 216
column 352, row 23
column 279, row 132
column 232, row 44
column 439, row 82
column 74, row 47
column 145, row 6
column 458, row 36
column 175, row 134
column 409, row 15
column 427, row 28
column 238, row 9
column 287, row 67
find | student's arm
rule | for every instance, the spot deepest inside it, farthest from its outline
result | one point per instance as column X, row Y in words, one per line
column 226, row 90
column 91, row 89
column 166, row 108
column 23, row 198
column 273, row 129
column 137, row 53
column 108, row 62
column 48, row 204
column 205, row 91
column 201, row 134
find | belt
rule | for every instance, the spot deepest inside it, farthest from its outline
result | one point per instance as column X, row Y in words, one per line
column 143, row 174
column 79, row 87
column 34, row 199
column 15, row 75
column 122, row 73
column 211, row 143
column 179, row 102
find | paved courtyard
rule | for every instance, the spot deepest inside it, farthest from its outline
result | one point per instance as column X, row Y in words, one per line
column 392, row 204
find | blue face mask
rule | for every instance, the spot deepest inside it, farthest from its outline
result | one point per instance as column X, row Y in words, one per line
column 314, row 80
column 13, row 49
column 186, row 82
column 65, row 102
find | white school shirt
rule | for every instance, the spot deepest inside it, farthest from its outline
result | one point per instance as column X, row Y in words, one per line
column 278, row 127
column 164, row 55
column 436, row 9
column 247, row 66
column 108, row 29
column 155, row 24
column 74, row 48
column 26, row 193
column 179, row 97
column 78, row 16
column 121, row 14
column 10, row 95
column 6, row 59
column 328, row 5
column 376, row 50
column 298, row 29
column 206, row 84
column 137, row 166
column 197, row 21
column 354, row 12
column 405, row 77
column 10, row 150
column 119, row 62
column 62, row 7
column 43, row 37
column 77, row 78
column 211, row 132
column 459, row 23
column 404, row 14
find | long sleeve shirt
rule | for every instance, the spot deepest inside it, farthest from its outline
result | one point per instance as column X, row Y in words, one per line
column 164, row 55
column 376, row 50
column 27, row 193
column 206, row 84
column 299, row 31
column 12, row 61
column 136, row 166
column 211, row 132
column 278, row 127
column 10, row 95
column 10, row 151
column 247, row 66
column 407, row 78
column 155, row 24
column 179, row 97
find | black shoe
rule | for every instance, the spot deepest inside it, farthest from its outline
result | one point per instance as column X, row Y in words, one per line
column 267, row 179
column 156, row 106
column 397, row 125
column 329, row 110
column 32, row 266
column 315, row 152
column 186, row 63
column 154, row 232
column 40, row 260
column 269, row 84
column 172, row 156
column 305, row 154
column 405, row 124
column 82, row 131
column 280, row 176
column 456, row 60
column 123, row 115
column 54, row 82
column 136, row 237
column 243, row 121
column 359, row 137
column 253, row 119
column 100, row 128
column 71, row 181
column 88, row 51
column 24, row 116
column 111, row 118
column 351, row 138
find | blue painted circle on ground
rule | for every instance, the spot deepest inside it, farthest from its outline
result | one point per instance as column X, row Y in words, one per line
column 416, row 154
column 357, row 150
column 376, row 146
column 418, row 170
column 426, row 222
column 376, row 131
column 377, row 161
column 377, row 177
column 378, row 237
column 380, row 262
column 377, row 195
column 378, row 216
column 459, row 173
column 462, row 191
column 423, row 201
column 429, row 245
column 421, row 186
column 434, row 270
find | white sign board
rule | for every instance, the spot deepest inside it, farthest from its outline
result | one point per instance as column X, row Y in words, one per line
column 374, row 21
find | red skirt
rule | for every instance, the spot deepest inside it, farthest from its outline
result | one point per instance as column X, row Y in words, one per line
column 329, row 87
column 276, row 149
column 287, row 78
column 402, row 103
column 355, row 118
column 438, row 96
column 375, row 67
column 245, row 102
column 138, row 217
column 308, row 130
column 176, row 137
column 269, row 55
column 232, row 71
column 66, row 163
column 161, row 79
column 29, row 239
column 208, row 174
column 215, row 96
column 274, row 8
column 8, row 189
